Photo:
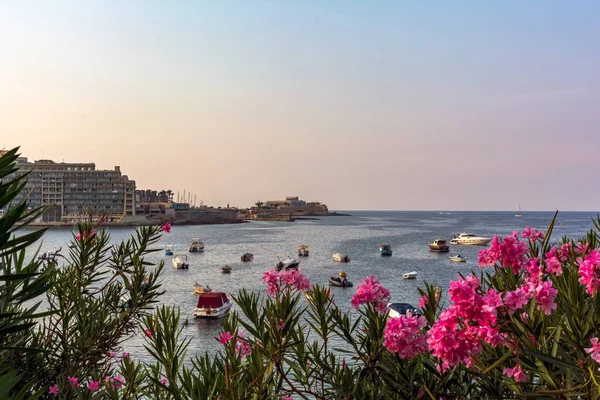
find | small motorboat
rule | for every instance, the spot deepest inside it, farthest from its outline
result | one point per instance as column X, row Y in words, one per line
column 226, row 269
column 340, row 281
column 458, row 258
column 168, row 250
column 339, row 257
column 385, row 249
column 247, row 257
column 212, row 305
column 439, row 246
column 396, row 310
column 286, row 262
column 197, row 246
column 199, row 289
column 303, row 251
column 470, row 239
column 410, row 275
column 181, row 262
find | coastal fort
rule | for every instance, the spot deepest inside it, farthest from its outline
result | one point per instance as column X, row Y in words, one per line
column 75, row 192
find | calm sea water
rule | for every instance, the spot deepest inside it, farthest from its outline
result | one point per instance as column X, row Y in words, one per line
column 359, row 236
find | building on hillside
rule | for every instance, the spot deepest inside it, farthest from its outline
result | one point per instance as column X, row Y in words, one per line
column 72, row 192
column 288, row 208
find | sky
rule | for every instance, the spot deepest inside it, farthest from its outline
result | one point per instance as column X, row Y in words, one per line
column 389, row 105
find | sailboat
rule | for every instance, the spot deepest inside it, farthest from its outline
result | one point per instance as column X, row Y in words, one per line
column 520, row 212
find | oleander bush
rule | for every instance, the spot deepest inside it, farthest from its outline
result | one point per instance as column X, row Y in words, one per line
column 526, row 325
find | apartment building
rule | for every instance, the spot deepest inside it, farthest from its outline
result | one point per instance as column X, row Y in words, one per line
column 71, row 192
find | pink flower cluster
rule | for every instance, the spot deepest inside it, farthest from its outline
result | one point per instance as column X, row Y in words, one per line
column 532, row 234
column 589, row 271
column 241, row 344
column 278, row 281
column 594, row 351
column 86, row 235
column 166, row 227
column 371, row 292
column 509, row 252
column 516, row 373
column 116, row 383
column 404, row 335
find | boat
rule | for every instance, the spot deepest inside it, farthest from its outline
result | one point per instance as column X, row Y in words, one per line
column 247, row 257
column 181, row 262
column 168, row 250
column 197, row 246
column 199, row 289
column 410, row 275
column 470, row 239
column 439, row 246
column 520, row 212
column 340, row 281
column 458, row 258
column 396, row 310
column 212, row 305
column 339, row 257
column 286, row 262
column 303, row 251
column 385, row 249
column 226, row 269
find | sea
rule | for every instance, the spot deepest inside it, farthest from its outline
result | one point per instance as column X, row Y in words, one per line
column 358, row 235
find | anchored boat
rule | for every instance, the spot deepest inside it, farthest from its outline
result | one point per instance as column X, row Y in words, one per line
column 339, row 257
column 247, row 257
column 439, row 246
column 212, row 305
column 199, row 289
column 286, row 262
column 470, row 239
column 410, row 275
column 303, row 251
column 385, row 249
column 458, row 258
column 197, row 246
column 168, row 250
column 181, row 262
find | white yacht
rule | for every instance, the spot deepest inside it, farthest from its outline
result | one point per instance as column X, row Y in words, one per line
column 339, row 257
column 212, row 305
column 181, row 262
column 470, row 239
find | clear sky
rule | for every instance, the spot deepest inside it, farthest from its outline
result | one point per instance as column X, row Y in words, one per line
column 470, row 105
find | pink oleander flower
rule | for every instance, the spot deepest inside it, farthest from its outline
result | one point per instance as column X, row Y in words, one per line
column 125, row 355
column 53, row 389
column 93, row 386
column 535, row 272
column 278, row 281
column 370, row 291
column 166, row 227
column 532, row 234
column 112, row 354
column 565, row 251
column 281, row 324
column 516, row 373
column 343, row 363
column 117, row 382
column 423, row 301
column 164, row 381
column 148, row 332
column 589, row 271
column 594, row 351
column 509, row 253
column 242, row 347
column 546, row 297
column 581, row 248
column 553, row 261
column 224, row 337
column 515, row 300
column 286, row 398
column 404, row 335
column 74, row 381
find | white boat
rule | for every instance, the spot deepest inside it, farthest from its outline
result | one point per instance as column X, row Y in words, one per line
column 197, row 246
column 458, row 258
column 520, row 212
column 410, row 275
column 396, row 310
column 199, row 289
column 439, row 246
column 212, row 305
column 470, row 239
column 181, row 262
column 286, row 262
column 339, row 257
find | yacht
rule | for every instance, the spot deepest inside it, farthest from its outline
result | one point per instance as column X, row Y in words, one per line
column 339, row 257
column 197, row 246
column 396, row 310
column 181, row 262
column 520, row 212
column 470, row 239
column 439, row 246
column 410, row 275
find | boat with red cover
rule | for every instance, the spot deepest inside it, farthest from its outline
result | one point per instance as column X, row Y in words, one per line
column 212, row 305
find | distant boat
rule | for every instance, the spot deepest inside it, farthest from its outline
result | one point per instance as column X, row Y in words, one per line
column 247, row 257
column 168, row 250
column 226, row 269
column 410, row 275
column 458, row 258
column 396, row 310
column 197, row 246
column 199, row 289
column 520, row 212
column 212, row 305
column 439, row 246
column 339, row 257
column 340, row 280
column 303, row 251
column 286, row 263
column 181, row 262
column 385, row 249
